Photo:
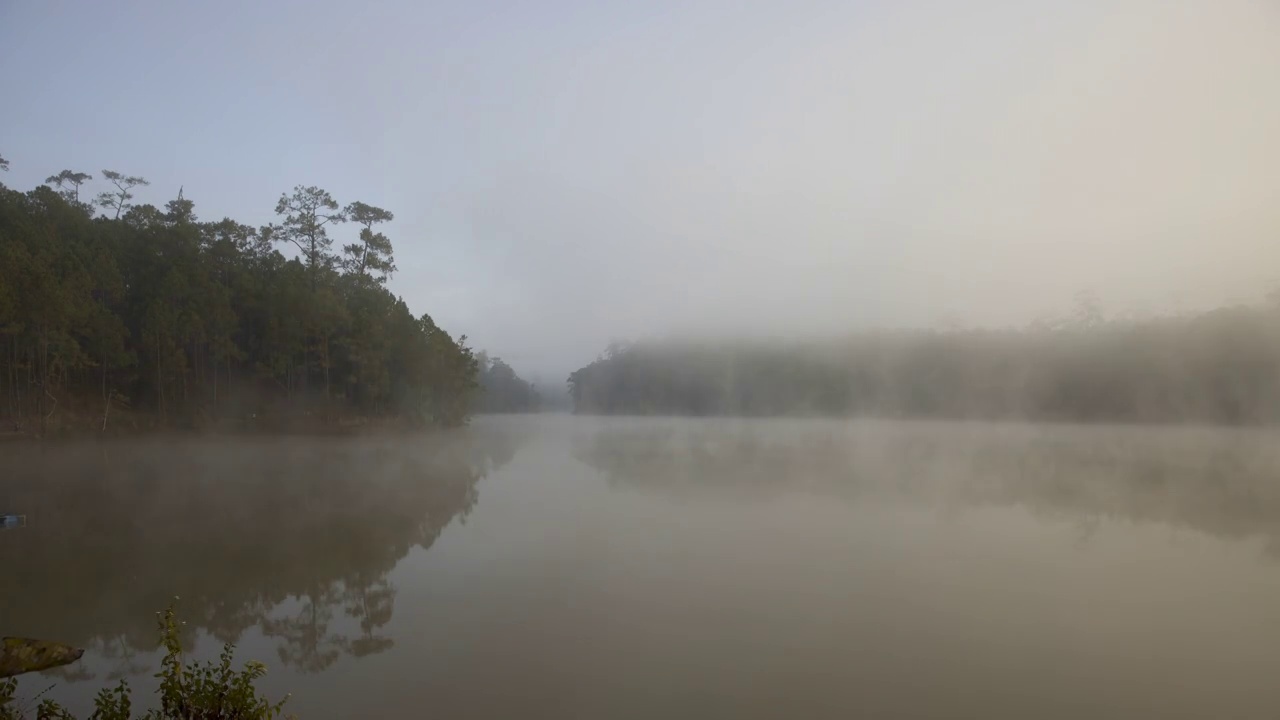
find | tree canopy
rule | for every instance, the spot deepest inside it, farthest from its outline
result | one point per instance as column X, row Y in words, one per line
column 199, row 322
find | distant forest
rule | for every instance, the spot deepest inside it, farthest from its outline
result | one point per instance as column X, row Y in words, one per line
column 1217, row 367
column 502, row 390
column 112, row 310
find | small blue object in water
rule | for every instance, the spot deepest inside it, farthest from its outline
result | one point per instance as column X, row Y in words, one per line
column 12, row 521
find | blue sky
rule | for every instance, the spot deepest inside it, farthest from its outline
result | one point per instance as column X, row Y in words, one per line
column 565, row 173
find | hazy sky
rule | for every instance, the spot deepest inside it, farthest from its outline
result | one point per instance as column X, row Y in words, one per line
column 564, row 173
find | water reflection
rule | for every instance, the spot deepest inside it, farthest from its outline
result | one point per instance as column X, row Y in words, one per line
column 1216, row 481
column 658, row 567
column 284, row 537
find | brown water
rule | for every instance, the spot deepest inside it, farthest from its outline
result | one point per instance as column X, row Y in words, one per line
column 568, row 567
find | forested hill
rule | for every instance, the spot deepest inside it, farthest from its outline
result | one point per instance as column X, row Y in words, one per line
column 1218, row 367
column 112, row 311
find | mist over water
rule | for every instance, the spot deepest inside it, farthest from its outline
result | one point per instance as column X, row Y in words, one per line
column 934, row 349
column 552, row 566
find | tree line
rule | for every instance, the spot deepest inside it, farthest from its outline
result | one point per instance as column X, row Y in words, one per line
column 110, row 308
column 1221, row 366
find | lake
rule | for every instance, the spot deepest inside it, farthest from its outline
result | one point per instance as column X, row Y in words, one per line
column 565, row 567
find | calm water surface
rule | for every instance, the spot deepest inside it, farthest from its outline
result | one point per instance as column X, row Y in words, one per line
column 568, row 567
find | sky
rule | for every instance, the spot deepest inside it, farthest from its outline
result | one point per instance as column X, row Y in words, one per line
column 564, row 174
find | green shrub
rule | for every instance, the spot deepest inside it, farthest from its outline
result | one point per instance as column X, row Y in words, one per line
column 188, row 691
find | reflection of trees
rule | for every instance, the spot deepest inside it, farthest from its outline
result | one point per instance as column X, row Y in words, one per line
column 371, row 602
column 1216, row 481
column 124, row 658
column 75, row 672
column 306, row 642
column 236, row 529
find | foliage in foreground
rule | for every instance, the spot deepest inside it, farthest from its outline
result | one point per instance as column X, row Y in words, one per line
column 198, row 690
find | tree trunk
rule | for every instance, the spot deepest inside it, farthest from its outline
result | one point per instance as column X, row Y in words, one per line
column 326, row 366
column 159, row 377
column 43, row 377
column 12, row 375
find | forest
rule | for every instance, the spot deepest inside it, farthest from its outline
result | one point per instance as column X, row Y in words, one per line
column 1221, row 367
column 502, row 390
column 116, row 313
